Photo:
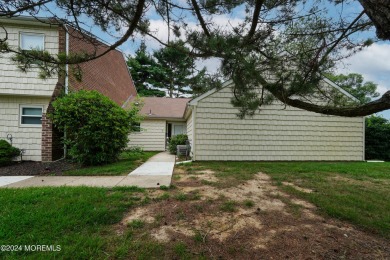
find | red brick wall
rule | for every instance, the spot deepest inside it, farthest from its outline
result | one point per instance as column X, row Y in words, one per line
column 52, row 148
column 108, row 74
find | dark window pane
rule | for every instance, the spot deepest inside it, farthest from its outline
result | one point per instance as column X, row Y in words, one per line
column 34, row 111
column 31, row 120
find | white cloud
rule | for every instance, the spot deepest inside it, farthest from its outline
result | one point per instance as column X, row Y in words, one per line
column 212, row 65
column 373, row 63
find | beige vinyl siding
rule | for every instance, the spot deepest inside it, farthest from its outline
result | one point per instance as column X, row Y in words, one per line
column 24, row 137
column 274, row 133
column 15, row 82
column 189, row 128
column 151, row 137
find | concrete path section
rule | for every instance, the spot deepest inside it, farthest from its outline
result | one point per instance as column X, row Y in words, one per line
column 159, row 165
column 90, row 181
column 156, row 172
column 7, row 180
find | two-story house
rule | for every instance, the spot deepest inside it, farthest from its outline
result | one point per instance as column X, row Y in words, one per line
column 25, row 98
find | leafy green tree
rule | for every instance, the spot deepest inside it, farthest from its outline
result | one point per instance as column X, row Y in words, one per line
column 96, row 128
column 143, row 69
column 354, row 84
column 377, row 141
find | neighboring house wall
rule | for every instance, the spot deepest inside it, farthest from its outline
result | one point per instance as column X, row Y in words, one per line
column 274, row 133
column 151, row 137
column 24, row 137
column 18, row 88
column 15, row 82
column 108, row 74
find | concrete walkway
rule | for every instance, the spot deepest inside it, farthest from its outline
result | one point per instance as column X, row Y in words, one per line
column 157, row 171
column 159, row 165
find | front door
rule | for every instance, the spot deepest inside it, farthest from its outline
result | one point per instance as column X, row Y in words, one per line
column 175, row 129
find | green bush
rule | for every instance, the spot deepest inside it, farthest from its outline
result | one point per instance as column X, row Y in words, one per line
column 96, row 128
column 7, row 152
column 377, row 138
column 175, row 141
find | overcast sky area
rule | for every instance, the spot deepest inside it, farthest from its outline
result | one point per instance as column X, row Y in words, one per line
column 373, row 62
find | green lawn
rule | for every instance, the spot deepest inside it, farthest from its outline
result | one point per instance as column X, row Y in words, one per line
column 84, row 221
column 358, row 192
column 127, row 163
column 78, row 219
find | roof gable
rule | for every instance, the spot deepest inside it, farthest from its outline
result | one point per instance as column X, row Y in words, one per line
column 163, row 107
column 227, row 83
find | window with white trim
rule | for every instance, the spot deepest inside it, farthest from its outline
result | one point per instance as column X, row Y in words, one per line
column 31, row 115
column 32, row 41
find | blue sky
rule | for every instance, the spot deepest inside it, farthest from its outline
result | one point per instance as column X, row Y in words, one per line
column 373, row 62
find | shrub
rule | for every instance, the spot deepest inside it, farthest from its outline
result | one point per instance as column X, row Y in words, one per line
column 377, row 138
column 134, row 149
column 7, row 152
column 96, row 128
column 175, row 141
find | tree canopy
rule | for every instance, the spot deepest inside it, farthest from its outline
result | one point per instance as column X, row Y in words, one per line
column 143, row 69
column 271, row 49
column 169, row 69
column 354, row 84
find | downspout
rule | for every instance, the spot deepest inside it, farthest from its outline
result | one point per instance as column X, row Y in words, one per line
column 364, row 138
column 66, row 65
column 66, row 78
column 193, row 114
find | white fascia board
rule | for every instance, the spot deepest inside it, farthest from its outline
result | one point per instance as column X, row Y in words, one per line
column 334, row 85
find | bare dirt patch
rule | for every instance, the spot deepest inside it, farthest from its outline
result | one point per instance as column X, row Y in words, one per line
column 252, row 220
column 305, row 190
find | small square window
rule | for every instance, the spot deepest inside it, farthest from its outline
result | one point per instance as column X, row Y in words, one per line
column 32, row 41
column 31, row 115
column 136, row 127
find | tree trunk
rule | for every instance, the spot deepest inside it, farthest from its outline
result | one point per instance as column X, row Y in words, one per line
column 379, row 13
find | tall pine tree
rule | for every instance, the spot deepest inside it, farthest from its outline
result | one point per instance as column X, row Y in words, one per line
column 169, row 71
column 143, row 69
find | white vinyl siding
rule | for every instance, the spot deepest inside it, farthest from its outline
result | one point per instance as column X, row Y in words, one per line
column 189, row 128
column 151, row 137
column 24, row 137
column 15, row 82
column 274, row 133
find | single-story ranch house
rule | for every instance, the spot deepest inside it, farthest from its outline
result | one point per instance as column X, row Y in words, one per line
column 276, row 133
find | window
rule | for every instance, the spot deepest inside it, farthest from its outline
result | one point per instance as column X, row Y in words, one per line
column 136, row 127
column 178, row 129
column 32, row 41
column 31, row 115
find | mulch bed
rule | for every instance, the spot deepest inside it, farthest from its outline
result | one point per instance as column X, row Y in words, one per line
column 37, row 168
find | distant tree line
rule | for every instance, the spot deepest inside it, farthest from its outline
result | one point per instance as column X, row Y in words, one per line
column 377, row 138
